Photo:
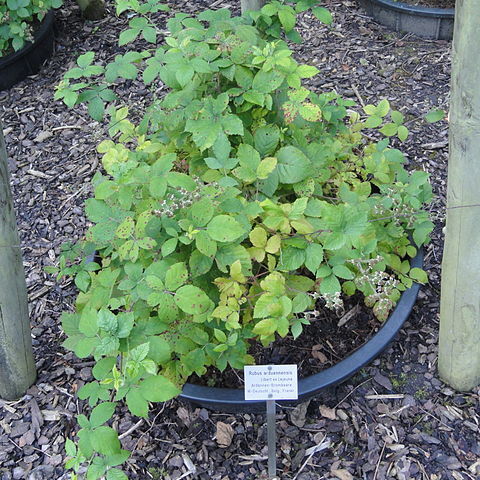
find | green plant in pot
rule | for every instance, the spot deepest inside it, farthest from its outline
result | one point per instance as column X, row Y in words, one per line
column 18, row 19
column 239, row 200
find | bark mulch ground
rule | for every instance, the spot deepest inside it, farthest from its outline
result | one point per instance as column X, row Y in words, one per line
column 394, row 420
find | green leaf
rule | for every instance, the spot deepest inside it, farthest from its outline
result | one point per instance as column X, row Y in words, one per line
column 199, row 264
column 70, row 448
column 402, row 133
column 107, row 321
column 158, row 389
column 85, row 347
column 293, row 165
column 313, row 257
column 96, row 108
column 160, row 350
column 301, row 302
column 125, row 324
column 105, row 441
column 102, row 413
column 330, row 285
column 126, row 228
column 265, row 327
column 202, row 212
column 323, row 15
column 266, row 139
column 192, row 300
column 267, row 82
column 116, row 474
column 205, row 244
column 176, row 276
column 103, row 367
column 107, row 346
column 418, row 275
column 287, row 18
column 342, row 271
column 224, row 228
column 434, row 115
column 136, row 403
column 169, row 246
column 88, row 322
column 86, row 59
column 306, row 71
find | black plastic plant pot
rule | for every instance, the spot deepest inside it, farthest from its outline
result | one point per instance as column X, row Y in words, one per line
column 426, row 22
column 232, row 400
column 28, row 60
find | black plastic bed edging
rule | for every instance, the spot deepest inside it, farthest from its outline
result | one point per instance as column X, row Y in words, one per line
column 28, row 60
column 232, row 400
column 426, row 22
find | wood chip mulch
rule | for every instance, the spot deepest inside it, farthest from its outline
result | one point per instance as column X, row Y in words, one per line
column 394, row 420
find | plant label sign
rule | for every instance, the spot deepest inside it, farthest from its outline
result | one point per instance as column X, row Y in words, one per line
column 271, row 382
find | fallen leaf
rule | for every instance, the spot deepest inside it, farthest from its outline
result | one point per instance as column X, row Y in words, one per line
column 298, row 414
column 328, row 412
column 383, row 381
column 224, row 434
column 316, row 353
column 342, row 474
column 184, row 415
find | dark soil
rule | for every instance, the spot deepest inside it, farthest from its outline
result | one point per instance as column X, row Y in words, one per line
column 321, row 344
column 431, row 3
column 394, row 420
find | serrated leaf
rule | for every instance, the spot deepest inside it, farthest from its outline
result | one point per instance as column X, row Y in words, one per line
column 330, row 285
column 323, row 15
column 176, row 276
column 192, row 300
column 313, row 257
column 202, row 212
column 418, row 275
column 266, row 139
column 105, row 441
column 136, row 403
column 224, row 228
column 342, row 271
column 116, row 474
column 293, row 165
column 126, row 228
column 102, row 413
column 158, row 389
column 258, row 237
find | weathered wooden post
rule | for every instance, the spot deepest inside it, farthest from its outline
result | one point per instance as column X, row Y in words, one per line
column 252, row 4
column 17, row 367
column 459, row 348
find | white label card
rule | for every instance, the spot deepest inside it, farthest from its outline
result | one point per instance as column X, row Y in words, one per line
column 271, row 382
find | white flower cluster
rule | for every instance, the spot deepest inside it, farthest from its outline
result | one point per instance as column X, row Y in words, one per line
column 399, row 211
column 182, row 198
column 382, row 283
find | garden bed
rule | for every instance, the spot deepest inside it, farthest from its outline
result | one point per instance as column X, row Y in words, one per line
column 395, row 416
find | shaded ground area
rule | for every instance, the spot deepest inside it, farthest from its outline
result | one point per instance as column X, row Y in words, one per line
column 395, row 420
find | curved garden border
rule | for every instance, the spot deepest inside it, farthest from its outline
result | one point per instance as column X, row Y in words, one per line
column 28, row 60
column 433, row 23
column 232, row 400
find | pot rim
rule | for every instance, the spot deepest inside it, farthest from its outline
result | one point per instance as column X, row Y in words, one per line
column 45, row 27
column 230, row 399
column 417, row 10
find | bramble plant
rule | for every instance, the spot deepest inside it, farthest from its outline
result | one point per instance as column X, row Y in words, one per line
column 17, row 18
column 239, row 201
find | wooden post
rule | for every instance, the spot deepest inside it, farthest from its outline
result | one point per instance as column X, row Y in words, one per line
column 459, row 346
column 92, row 9
column 252, row 5
column 17, row 367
